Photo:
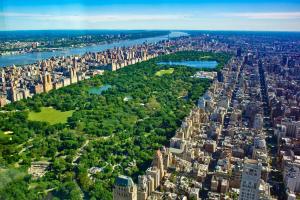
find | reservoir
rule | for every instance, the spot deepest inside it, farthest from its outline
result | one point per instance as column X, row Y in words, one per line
column 30, row 58
column 99, row 90
column 193, row 64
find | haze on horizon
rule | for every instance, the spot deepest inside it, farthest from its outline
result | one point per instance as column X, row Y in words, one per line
column 263, row 15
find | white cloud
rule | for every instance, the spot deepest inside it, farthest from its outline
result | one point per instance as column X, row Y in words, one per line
column 82, row 19
column 94, row 18
column 265, row 15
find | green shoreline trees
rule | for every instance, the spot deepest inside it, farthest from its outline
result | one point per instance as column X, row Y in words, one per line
column 105, row 131
column 221, row 58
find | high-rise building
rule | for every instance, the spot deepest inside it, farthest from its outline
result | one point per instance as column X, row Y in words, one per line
column 220, row 76
column 292, row 128
column 124, row 189
column 250, row 180
column 13, row 93
column 142, row 190
column 75, row 65
column 159, row 162
column 44, row 66
column 258, row 122
column 155, row 174
column 291, row 177
column 73, row 75
column 47, row 82
column 2, row 77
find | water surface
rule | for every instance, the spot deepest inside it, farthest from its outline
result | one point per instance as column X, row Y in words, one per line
column 99, row 90
column 29, row 58
column 193, row 64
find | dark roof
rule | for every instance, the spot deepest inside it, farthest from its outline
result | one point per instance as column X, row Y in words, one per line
column 124, row 181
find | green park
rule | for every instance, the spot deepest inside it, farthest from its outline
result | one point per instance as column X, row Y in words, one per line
column 75, row 130
column 50, row 115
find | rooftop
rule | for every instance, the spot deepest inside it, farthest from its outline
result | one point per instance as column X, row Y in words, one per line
column 124, row 181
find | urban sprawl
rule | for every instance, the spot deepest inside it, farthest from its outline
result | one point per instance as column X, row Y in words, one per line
column 242, row 140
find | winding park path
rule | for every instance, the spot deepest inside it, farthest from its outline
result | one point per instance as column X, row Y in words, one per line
column 79, row 152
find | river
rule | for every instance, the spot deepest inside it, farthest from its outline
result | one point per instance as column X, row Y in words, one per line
column 29, row 58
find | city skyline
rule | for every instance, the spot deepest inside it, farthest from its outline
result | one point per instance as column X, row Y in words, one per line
column 140, row 100
column 263, row 15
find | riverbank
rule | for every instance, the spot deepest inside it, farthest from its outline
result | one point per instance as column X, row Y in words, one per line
column 30, row 58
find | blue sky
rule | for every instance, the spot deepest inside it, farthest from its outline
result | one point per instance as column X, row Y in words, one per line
column 155, row 14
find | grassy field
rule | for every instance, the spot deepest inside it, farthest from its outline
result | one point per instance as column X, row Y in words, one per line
column 50, row 115
column 164, row 71
column 206, row 57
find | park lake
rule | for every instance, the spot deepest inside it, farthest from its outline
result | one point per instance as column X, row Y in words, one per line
column 193, row 64
column 99, row 90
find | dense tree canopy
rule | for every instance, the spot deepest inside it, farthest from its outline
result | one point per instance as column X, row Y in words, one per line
column 117, row 131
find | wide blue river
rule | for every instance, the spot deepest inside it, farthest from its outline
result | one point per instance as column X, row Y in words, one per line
column 29, row 58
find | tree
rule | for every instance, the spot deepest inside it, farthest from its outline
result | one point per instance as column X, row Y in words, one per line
column 68, row 191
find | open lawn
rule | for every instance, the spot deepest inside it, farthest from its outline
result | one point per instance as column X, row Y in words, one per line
column 50, row 115
column 164, row 71
column 206, row 57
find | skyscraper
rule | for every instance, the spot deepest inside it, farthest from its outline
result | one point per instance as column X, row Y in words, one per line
column 47, row 82
column 124, row 189
column 258, row 122
column 73, row 75
column 158, row 162
column 250, row 180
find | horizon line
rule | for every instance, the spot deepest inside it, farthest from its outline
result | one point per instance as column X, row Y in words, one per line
column 212, row 30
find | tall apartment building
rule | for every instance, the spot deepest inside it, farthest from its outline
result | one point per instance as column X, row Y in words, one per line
column 292, row 128
column 47, row 82
column 159, row 163
column 124, row 189
column 13, row 93
column 258, row 121
column 291, row 177
column 250, row 180
column 154, row 174
column 73, row 75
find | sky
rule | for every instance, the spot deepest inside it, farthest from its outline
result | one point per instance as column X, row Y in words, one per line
column 253, row 15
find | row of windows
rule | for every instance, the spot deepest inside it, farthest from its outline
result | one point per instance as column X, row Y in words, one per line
column 249, row 184
column 247, row 195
